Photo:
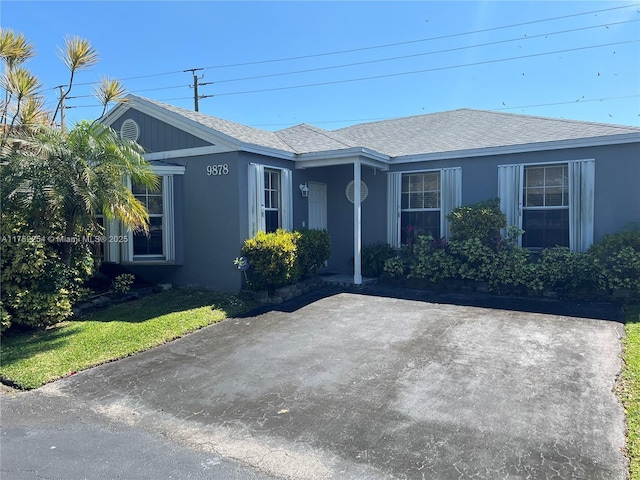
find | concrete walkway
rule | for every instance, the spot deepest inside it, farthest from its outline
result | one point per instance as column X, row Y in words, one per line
column 345, row 386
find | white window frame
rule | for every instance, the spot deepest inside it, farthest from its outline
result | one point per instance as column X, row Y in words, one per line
column 581, row 175
column 450, row 198
column 438, row 192
column 276, row 174
column 544, row 207
column 256, row 192
column 168, row 229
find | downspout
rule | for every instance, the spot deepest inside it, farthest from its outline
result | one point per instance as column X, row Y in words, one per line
column 357, row 224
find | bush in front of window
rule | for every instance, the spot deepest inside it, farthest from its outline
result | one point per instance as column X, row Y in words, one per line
column 482, row 220
column 561, row 270
column 273, row 259
column 395, row 267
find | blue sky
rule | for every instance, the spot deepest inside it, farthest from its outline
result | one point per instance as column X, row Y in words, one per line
column 590, row 73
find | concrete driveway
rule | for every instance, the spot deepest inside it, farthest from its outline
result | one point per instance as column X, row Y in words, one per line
column 348, row 386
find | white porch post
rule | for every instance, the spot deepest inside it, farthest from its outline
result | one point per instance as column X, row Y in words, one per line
column 357, row 225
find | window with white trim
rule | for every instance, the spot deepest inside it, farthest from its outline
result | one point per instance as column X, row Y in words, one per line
column 552, row 202
column 272, row 200
column 545, row 212
column 420, row 201
column 150, row 244
column 158, row 245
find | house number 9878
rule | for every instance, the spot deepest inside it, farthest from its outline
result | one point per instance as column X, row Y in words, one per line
column 215, row 170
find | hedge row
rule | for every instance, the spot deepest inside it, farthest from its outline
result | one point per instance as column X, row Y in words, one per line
column 477, row 252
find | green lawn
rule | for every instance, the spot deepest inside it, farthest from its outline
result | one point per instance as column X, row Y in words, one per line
column 631, row 388
column 29, row 360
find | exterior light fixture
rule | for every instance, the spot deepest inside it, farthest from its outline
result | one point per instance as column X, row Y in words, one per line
column 304, row 189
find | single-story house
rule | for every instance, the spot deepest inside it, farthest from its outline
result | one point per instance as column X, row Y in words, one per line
column 564, row 182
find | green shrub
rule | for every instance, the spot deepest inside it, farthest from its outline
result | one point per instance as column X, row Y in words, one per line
column 435, row 266
column 618, row 259
column 476, row 259
column 122, row 283
column 273, row 259
column 482, row 220
column 621, row 270
column 374, row 257
column 512, row 271
column 561, row 270
column 505, row 269
column 314, row 250
column 395, row 267
column 5, row 319
column 35, row 286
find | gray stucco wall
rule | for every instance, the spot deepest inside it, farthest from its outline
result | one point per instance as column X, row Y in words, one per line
column 206, row 227
column 617, row 184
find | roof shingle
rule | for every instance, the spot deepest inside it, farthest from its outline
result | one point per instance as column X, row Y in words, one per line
column 468, row 129
column 433, row 133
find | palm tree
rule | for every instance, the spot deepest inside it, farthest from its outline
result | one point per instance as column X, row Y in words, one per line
column 69, row 177
column 77, row 54
column 54, row 182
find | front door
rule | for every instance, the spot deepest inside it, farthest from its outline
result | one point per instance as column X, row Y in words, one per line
column 317, row 206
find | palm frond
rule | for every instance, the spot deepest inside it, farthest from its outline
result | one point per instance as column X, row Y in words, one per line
column 78, row 53
column 109, row 90
column 20, row 82
column 14, row 49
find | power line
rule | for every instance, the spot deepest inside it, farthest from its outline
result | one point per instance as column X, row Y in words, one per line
column 256, row 77
column 138, row 77
column 362, row 120
column 434, row 69
column 402, row 57
column 568, row 103
column 408, row 42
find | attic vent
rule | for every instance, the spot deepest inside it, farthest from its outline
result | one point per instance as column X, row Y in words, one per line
column 364, row 191
column 129, row 130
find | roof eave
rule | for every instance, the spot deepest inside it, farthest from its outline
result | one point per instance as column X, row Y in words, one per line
column 343, row 156
column 521, row 148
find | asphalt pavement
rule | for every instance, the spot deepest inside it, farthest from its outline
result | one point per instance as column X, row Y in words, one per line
column 366, row 384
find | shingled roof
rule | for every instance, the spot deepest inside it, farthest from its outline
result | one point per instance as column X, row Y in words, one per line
column 468, row 129
column 435, row 133
column 237, row 131
column 307, row 139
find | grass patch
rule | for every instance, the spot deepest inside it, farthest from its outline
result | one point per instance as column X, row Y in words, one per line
column 631, row 388
column 29, row 360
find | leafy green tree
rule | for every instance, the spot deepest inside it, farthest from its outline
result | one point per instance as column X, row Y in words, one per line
column 53, row 183
column 67, row 178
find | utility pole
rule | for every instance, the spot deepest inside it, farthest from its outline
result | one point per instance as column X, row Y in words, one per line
column 62, row 107
column 197, row 97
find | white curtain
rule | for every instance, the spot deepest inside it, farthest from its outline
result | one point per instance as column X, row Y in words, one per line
column 581, row 204
column 287, row 200
column 450, row 195
column 256, row 199
column 394, row 188
column 510, row 178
